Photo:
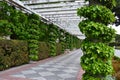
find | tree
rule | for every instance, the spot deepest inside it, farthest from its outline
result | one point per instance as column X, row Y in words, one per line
column 97, row 54
column 117, row 12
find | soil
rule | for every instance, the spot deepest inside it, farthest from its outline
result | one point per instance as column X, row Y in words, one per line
column 116, row 66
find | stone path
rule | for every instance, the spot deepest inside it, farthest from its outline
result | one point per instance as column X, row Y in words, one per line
column 64, row 67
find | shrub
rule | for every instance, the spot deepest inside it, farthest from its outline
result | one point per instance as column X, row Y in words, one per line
column 59, row 48
column 13, row 53
column 43, row 50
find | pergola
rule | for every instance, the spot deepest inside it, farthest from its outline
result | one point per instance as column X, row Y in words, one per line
column 62, row 13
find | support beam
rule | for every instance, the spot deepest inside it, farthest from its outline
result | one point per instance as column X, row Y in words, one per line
column 47, row 1
column 56, row 9
column 56, row 5
column 52, row 13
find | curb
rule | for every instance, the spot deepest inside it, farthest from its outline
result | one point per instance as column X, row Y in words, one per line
column 80, row 73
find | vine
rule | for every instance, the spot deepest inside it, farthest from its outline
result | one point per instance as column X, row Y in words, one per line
column 52, row 39
column 62, row 39
column 97, row 54
column 33, row 36
column 67, row 40
column 5, row 28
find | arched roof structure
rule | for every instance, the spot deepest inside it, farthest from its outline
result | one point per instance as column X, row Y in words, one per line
column 63, row 13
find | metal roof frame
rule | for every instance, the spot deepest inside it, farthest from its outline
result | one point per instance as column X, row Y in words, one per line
column 62, row 13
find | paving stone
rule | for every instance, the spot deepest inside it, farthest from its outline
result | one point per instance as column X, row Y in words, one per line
column 19, row 76
column 65, row 75
column 46, row 73
column 28, row 72
column 53, row 77
column 74, row 78
column 52, row 69
column 70, row 71
column 38, row 78
column 37, row 68
column 32, row 75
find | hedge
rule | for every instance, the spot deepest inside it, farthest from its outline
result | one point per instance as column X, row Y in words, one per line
column 59, row 48
column 44, row 50
column 13, row 53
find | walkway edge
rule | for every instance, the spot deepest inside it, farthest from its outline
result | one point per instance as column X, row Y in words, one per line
column 80, row 73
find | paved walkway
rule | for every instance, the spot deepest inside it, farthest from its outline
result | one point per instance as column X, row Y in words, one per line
column 117, row 53
column 63, row 67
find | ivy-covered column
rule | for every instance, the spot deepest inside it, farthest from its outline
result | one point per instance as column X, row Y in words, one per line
column 62, row 39
column 71, row 42
column 33, row 36
column 52, row 39
column 67, row 41
column 97, row 54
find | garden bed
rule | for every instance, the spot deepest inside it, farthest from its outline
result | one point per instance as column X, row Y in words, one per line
column 116, row 66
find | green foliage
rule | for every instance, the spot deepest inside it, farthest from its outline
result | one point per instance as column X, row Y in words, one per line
column 97, row 55
column 117, row 58
column 62, row 39
column 117, row 38
column 22, row 23
column 44, row 32
column 67, row 40
column 88, row 76
column 98, row 49
column 97, row 13
column 5, row 28
column 97, row 31
column 23, row 26
column 5, row 10
column 52, row 39
column 100, row 55
column 33, row 36
column 108, row 3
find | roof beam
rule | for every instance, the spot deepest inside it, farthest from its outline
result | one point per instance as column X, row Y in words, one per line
column 60, row 13
column 56, row 5
column 46, row 1
column 55, row 9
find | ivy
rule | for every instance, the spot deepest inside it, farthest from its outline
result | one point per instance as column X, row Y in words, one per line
column 33, row 36
column 5, row 28
column 62, row 39
column 68, row 44
column 52, row 39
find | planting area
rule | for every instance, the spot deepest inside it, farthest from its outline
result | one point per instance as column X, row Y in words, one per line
column 116, row 66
